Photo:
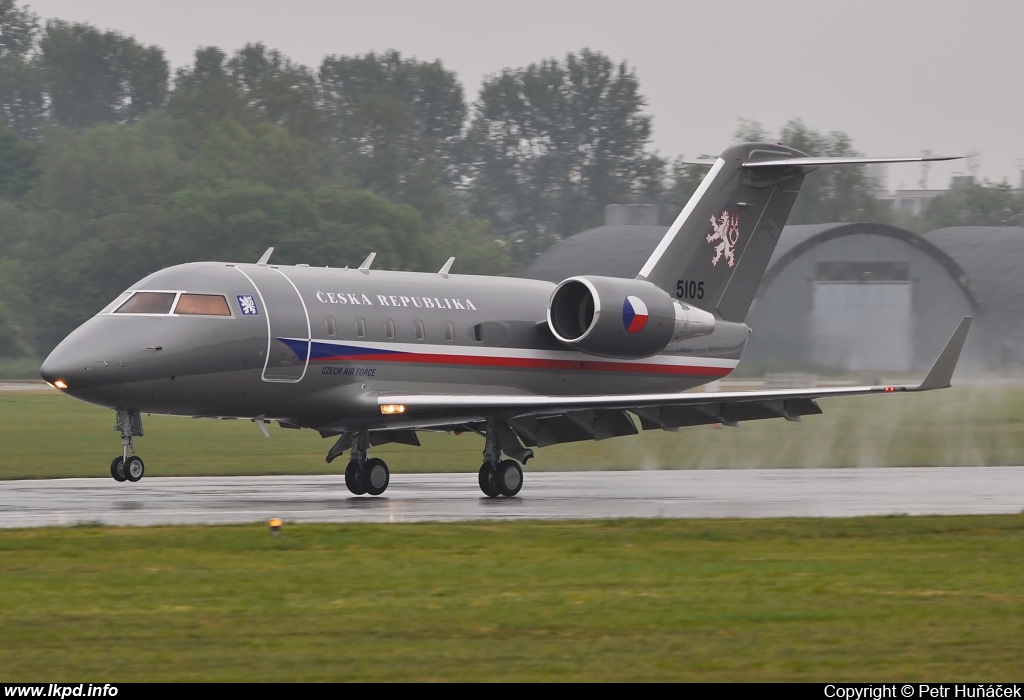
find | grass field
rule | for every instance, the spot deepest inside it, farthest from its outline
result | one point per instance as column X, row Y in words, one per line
column 48, row 435
column 853, row 599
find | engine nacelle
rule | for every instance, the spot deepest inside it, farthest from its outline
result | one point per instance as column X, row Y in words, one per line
column 622, row 318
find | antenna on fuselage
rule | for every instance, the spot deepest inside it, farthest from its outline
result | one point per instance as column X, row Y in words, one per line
column 266, row 256
column 365, row 267
column 446, row 267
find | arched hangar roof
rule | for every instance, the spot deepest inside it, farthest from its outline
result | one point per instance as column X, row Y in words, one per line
column 797, row 240
column 610, row 251
column 993, row 258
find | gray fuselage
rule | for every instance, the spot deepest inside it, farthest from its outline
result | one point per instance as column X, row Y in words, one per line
column 315, row 347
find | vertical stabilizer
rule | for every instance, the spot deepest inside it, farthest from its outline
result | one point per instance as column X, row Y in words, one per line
column 717, row 250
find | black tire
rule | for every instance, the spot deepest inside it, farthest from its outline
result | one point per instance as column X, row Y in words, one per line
column 487, row 482
column 134, row 469
column 508, row 477
column 354, row 478
column 376, row 476
column 115, row 469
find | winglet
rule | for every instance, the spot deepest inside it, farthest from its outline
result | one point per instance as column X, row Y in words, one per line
column 446, row 267
column 942, row 371
column 265, row 258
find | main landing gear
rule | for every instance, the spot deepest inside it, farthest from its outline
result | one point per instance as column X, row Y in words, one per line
column 128, row 466
column 362, row 475
column 500, row 477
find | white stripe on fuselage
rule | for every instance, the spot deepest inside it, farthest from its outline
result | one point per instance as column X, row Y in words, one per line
column 673, row 230
column 523, row 353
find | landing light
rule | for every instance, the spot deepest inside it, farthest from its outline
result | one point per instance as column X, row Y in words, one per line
column 389, row 409
column 60, row 384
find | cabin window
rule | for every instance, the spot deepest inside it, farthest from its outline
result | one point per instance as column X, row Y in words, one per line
column 389, row 328
column 147, row 303
column 421, row 333
column 449, row 331
column 478, row 332
column 202, row 305
column 360, row 327
column 332, row 326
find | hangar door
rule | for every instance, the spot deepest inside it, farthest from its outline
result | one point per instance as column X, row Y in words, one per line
column 861, row 318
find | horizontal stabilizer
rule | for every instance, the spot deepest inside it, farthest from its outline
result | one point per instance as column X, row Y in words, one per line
column 812, row 162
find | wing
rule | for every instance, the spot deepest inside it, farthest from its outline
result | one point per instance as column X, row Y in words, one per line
column 543, row 420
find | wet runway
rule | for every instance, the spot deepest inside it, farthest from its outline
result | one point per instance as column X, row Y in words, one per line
column 750, row 493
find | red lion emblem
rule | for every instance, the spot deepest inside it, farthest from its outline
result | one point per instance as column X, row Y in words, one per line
column 725, row 230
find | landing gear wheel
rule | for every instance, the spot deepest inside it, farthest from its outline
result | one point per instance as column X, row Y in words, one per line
column 134, row 468
column 354, row 478
column 508, row 476
column 376, row 476
column 116, row 469
column 487, row 482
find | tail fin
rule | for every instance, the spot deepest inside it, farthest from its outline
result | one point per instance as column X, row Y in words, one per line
column 717, row 250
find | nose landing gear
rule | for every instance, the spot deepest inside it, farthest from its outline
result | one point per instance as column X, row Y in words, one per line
column 128, row 467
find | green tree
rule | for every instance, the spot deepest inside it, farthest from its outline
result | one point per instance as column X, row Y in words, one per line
column 473, row 243
column 19, row 163
column 386, row 153
column 108, row 168
column 278, row 90
column 975, row 204
column 355, row 223
column 22, row 104
column 829, row 194
column 254, row 85
column 96, row 223
column 19, row 28
column 553, row 143
column 398, row 123
column 431, row 94
column 205, row 93
column 93, row 76
column 684, row 179
column 22, row 98
column 257, row 152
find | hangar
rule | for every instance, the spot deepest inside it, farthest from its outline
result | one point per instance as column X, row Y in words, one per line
column 848, row 296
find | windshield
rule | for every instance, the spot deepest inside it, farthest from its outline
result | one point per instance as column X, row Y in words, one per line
column 202, row 305
column 147, row 303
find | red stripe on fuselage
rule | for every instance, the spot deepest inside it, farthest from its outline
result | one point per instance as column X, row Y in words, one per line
column 531, row 363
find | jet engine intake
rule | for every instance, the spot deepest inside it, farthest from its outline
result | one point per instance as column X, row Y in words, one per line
column 622, row 318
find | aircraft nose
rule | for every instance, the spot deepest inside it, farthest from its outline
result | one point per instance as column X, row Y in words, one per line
column 81, row 359
column 63, row 368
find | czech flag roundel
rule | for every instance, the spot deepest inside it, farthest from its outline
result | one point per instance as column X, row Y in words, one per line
column 634, row 314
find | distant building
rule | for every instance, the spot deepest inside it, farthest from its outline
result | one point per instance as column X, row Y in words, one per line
column 916, row 201
column 909, row 201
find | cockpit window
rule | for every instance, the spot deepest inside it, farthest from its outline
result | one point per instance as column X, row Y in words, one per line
column 147, row 303
column 202, row 305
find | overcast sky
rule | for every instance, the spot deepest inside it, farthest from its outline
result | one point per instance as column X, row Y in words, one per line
column 899, row 76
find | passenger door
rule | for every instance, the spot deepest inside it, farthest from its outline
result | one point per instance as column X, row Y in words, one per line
column 288, row 329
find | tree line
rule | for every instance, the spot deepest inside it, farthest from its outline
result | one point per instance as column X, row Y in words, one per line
column 112, row 167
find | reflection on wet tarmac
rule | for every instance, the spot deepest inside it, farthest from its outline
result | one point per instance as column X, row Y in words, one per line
column 747, row 493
